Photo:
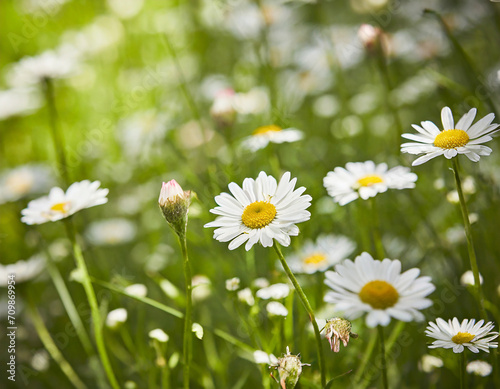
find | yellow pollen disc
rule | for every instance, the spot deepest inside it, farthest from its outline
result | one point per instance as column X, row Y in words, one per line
column 258, row 214
column 60, row 207
column 315, row 259
column 462, row 337
column 379, row 294
column 370, row 180
column 451, row 139
column 266, row 129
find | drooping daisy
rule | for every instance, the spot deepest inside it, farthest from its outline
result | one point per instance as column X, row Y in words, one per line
column 456, row 335
column 461, row 138
column 272, row 133
column 59, row 205
column 379, row 289
column 261, row 211
column 320, row 255
column 365, row 180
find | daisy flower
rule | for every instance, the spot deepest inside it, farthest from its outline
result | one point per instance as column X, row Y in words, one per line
column 261, row 211
column 461, row 138
column 456, row 335
column 272, row 133
column 320, row 255
column 379, row 289
column 365, row 180
column 59, row 205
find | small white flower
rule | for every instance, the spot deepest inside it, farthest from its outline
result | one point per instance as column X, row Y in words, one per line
column 461, row 138
column 254, row 101
column 233, row 284
column 428, row 363
column 116, row 317
column 40, row 360
column 261, row 211
column 23, row 270
column 23, row 181
column 159, row 335
column 379, row 289
column 138, row 290
column 320, row 255
column 111, row 232
column 246, row 296
column 32, row 70
column 365, row 180
column 264, row 135
column 275, row 291
column 18, row 102
column 456, row 335
column 59, row 205
column 274, row 308
column 468, row 278
column 202, row 287
column 480, row 368
column 262, row 357
column 260, row 282
column 198, row 330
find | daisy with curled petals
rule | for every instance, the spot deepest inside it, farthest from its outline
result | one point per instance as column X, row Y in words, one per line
column 261, row 211
column 365, row 180
column 272, row 133
column 456, row 335
column 59, row 204
column 379, row 289
column 462, row 138
column 320, row 255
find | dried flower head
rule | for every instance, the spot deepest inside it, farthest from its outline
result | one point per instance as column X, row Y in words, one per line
column 289, row 368
column 174, row 204
column 338, row 329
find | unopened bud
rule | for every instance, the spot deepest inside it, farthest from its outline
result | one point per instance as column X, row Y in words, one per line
column 289, row 368
column 174, row 204
column 336, row 330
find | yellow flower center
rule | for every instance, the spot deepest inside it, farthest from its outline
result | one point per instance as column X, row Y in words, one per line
column 258, row 214
column 462, row 337
column 266, row 129
column 315, row 259
column 60, row 207
column 379, row 294
column 451, row 139
column 370, row 180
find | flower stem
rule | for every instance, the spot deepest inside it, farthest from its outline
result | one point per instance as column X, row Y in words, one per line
column 462, row 370
column 470, row 242
column 94, row 307
column 309, row 310
column 51, row 347
column 187, row 341
column 62, row 165
column 377, row 239
column 382, row 356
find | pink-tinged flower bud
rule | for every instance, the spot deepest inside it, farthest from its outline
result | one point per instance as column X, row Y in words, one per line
column 174, row 204
column 222, row 110
column 373, row 38
column 289, row 368
column 338, row 329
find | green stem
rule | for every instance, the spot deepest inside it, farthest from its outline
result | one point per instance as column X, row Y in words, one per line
column 382, row 356
column 462, row 370
column 309, row 310
column 51, row 347
column 62, row 165
column 377, row 238
column 94, row 307
column 187, row 341
column 470, row 242
column 366, row 358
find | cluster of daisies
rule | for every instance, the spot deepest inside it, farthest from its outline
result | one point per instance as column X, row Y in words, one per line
column 266, row 211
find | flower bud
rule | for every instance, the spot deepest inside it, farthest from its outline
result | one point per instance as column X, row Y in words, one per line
column 289, row 368
column 174, row 204
column 373, row 39
column 338, row 329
